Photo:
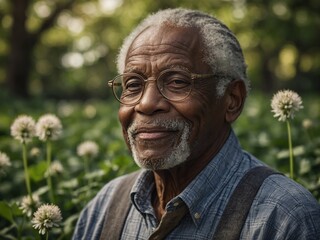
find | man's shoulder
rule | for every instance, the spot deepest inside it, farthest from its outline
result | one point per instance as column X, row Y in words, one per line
column 279, row 189
column 283, row 202
column 92, row 217
column 283, row 209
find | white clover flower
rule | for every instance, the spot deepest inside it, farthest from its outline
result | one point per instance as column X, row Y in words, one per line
column 46, row 217
column 48, row 127
column 4, row 162
column 284, row 104
column 23, row 128
column 88, row 149
column 55, row 168
column 35, row 152
column 26, row 204
column 307, row 123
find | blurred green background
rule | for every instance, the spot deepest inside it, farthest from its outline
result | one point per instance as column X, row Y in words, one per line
column 67, row 48
column 57, row 55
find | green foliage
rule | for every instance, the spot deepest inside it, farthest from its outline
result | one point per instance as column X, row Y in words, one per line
column 96, row 120
column 6, row 212
column 90, row 120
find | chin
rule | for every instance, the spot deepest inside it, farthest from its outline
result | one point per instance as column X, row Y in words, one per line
column 176, row 157
column 154, row 158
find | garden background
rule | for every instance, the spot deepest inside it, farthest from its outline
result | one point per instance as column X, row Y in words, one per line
column 56, row 57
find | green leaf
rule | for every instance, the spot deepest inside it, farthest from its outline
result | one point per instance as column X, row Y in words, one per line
column 4, row 233
column 69, row 223
column 37, row 171
column 16, row 211
column 6, row 212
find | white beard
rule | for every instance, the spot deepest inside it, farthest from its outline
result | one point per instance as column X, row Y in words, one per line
column 179, row 153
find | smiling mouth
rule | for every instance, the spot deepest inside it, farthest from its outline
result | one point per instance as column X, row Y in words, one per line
column 158, row 132
column 156, row 137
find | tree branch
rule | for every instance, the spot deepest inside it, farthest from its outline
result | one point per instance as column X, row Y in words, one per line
column 48, row 23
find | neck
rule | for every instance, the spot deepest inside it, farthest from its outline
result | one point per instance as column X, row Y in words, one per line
column 171, row 182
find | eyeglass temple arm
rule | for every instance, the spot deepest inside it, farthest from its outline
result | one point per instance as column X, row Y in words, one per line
column 112, row 83
column 195, row 75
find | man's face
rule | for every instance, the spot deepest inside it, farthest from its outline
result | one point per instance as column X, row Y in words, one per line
column 160, row 133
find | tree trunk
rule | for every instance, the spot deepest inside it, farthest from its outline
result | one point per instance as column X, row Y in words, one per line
column 268, row 81
column 19, row 56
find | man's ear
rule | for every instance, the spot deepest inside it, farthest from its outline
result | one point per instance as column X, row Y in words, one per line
column 235, row 97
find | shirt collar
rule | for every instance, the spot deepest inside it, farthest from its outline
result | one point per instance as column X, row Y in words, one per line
column 141, row 192
column 202, row 191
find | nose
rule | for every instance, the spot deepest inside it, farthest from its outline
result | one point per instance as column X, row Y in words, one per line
column 151, row 101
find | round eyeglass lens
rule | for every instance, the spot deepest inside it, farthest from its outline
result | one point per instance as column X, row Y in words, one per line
column 175, row 85
column 128, row 88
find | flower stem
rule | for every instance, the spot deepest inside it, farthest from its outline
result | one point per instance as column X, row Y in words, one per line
column 47, row 235
column 86, row 172
column 26, row 173
column 20, row 227
column 49, row 182
column 86, row 167
column 290, row 150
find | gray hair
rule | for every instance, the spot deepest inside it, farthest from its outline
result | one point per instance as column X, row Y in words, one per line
column 222, row 51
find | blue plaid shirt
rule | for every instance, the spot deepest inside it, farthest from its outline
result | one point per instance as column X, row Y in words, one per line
column 282, row 209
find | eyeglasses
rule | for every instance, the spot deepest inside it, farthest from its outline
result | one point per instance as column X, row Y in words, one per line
column 173, row 84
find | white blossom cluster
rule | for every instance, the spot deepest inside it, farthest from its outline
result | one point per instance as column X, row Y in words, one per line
column 54, row 169
column 46, row 217
column 88, row 149
column 27, row 204
column 284, row 104
column 48, row 127
column 23, row 128
column 4, row 162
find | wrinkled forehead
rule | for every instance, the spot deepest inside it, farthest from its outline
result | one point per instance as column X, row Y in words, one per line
column 164, row 36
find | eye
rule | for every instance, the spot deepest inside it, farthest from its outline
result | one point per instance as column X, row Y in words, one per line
column 132, row 84
column 176, row 81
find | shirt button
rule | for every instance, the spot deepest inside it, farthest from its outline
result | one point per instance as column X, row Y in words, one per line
column 197, row 215
column 176, row 204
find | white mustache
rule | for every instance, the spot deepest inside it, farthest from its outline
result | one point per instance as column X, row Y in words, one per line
column 172, row 125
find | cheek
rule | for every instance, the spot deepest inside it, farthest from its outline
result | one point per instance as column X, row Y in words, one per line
column 205, row 113
column 124, row 115
column 194, row 111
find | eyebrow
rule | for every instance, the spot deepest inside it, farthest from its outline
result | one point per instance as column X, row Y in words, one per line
column 179, row 67
column 139, row 70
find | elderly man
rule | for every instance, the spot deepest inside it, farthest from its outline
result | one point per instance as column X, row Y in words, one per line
column 182, row 84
